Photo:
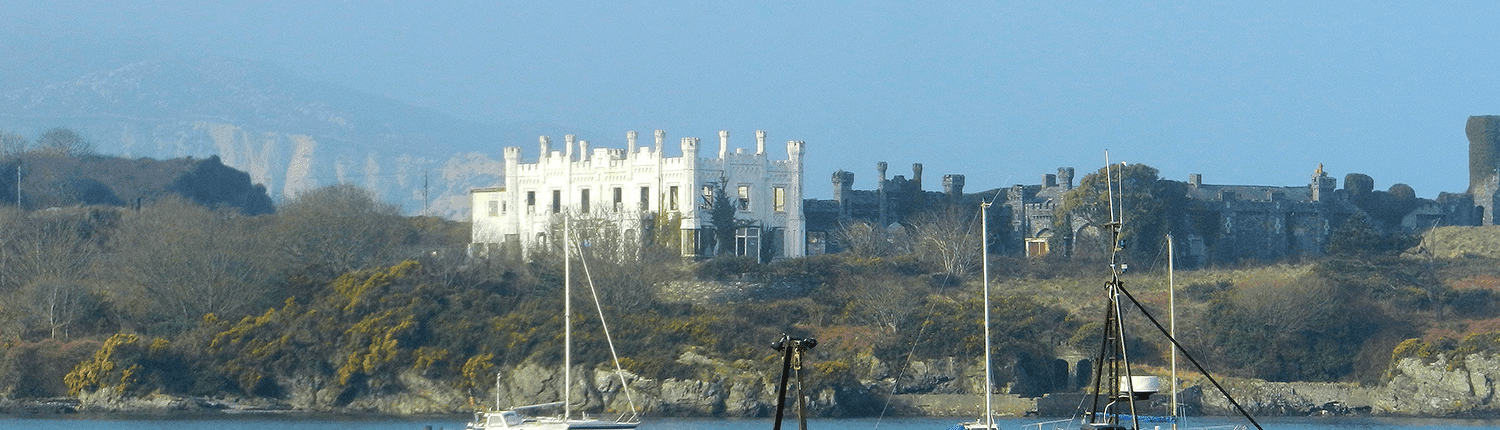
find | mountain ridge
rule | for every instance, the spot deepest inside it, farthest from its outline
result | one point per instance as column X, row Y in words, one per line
column 291, row 134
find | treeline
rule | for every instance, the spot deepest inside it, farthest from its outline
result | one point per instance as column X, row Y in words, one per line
column 72, row 276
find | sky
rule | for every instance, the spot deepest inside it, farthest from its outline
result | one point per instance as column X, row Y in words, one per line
column 1242, row 92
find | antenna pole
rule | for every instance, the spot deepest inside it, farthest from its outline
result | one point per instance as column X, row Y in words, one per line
column 567, row 323
column 1109, row 183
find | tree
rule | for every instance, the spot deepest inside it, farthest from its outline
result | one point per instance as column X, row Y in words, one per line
column 1149, row 207
column 949, row 238
column 181, row 260
column 64, row 142
column 339, row 228
column 58, row 303
column 864, row 239
column 12, row 145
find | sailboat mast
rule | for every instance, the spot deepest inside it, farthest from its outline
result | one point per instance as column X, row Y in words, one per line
column 567, row 323
column 984, row 239
column 1172, row 319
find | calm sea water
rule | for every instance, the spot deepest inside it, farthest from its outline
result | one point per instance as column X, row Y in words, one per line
column 455, row 423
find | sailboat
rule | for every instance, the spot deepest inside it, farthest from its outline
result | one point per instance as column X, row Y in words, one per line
column 1116, row 390
column 986, row 422
column 518, row 417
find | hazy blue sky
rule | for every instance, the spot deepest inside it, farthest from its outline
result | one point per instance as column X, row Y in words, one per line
column 1245, row 92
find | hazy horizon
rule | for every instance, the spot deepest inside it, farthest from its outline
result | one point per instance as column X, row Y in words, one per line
column 1001, row 92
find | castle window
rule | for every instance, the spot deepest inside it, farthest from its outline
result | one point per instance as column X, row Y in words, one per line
column 672, row 198
column 708, row 198
column 645, row 199
column 494, row 208
column 779, row 199
column 583, row 201
column 619, row 199
column 744, row 198
column 747, row 242
column 531, row 202
column 556, row 201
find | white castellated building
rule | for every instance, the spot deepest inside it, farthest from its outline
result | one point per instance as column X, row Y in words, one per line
column 627, row 187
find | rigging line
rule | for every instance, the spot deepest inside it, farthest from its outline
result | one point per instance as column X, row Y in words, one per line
column 1190, row 358
column 619, row 371
column 922, row 329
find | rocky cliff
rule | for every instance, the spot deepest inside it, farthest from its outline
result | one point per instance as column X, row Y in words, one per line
column 288, row 133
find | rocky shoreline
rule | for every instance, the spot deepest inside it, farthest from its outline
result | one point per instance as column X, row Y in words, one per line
column 1435, row 387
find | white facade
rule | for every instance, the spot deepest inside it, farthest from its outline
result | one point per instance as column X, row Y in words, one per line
column 627, row 187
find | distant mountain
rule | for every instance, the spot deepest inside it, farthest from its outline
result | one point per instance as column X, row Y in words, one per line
column 291, row 134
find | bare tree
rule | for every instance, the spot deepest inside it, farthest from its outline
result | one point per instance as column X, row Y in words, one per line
column 65, row 142
column 183, row 260
column 883, row 302
column 59, row 243
column 949, row 238
column 869, row 240
column 58, row 303
column 340, row 228
column 12, row 145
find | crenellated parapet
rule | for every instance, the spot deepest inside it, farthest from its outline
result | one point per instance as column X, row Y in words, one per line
column 625, row 187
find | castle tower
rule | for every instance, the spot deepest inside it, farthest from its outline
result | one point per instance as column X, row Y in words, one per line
column 916, row 176
column 1484, row 164
column 630, row 143
column 1322, row 185
column 843, row 188
column 1065, row 177
column 953, row 186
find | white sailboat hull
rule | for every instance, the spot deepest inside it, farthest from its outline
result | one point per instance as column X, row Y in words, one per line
column 512, row 420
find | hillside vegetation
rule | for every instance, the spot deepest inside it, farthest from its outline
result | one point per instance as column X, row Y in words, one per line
column 335, row 289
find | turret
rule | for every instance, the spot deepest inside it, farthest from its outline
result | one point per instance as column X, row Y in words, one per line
column 546, row 146
column 953, row 186
column 630, row 143
column 760, row 142
column 916, row 175
column 1484, row 164
column 794, row 150
column 723, row 143
column 1322, row 185
column 568, row 140
column 583, row 150
column 690, row 150
column 661, row 138
column 843, row 184
column 1065, row 177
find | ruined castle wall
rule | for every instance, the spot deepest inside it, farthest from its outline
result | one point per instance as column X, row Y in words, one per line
column 1484, row 163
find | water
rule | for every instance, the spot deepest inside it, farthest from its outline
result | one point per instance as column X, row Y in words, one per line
column 457, row 423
